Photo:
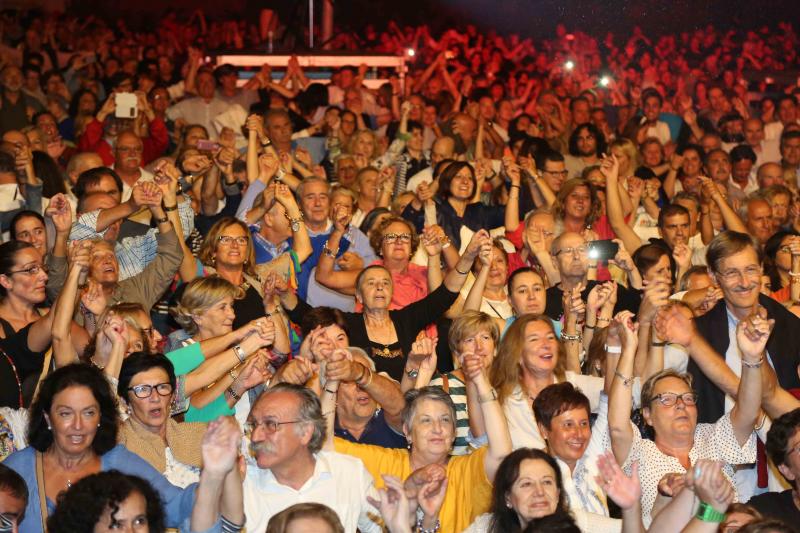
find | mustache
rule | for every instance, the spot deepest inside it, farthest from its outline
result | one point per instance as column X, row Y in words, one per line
column 746, row 287
column 260, row 447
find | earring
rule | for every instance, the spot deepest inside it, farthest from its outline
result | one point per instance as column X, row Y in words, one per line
column 98, row 424
column 49, row 428
column 508, row 504
column 213, row 260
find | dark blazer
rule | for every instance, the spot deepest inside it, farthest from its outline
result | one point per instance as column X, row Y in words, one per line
column 783, row 347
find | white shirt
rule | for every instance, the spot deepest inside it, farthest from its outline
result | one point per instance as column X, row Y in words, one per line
column 197, row 111
column 711, row 441
column 339, row 481
column 423, row 176
column 773, row 130
column 660, row 131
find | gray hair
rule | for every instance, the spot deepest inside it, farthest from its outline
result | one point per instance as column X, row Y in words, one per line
column 311, row 179
column 308, row 413
column 415, row 396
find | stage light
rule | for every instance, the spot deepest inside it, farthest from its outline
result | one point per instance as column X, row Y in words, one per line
column 410, row 52
column 569, row 65
column 604, row 81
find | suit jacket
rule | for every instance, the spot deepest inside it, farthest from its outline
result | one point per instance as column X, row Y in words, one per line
column 783, row 347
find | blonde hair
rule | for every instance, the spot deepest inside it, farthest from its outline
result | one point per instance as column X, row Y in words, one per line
column 627, row 146
column 199, row 296
column 469, row 323
column 208, row 251
column 351, row 143
column 505, row 373
column 125, row 310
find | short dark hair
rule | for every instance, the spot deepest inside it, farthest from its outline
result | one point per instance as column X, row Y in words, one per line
column 651, row 93
column 81, row 506
column 519, row 272
column 12, row 229
column 670, row 210
column 142, row 362
column 324, row 317
column 549, row 155
column 12, row 482
column 7, row 164
column 645, row 257
column 789, row 134
column 556, row 399
column 92, row 177
column 715, row 151
column 40, row 436
column 742, row 152
column 778, row 436
column 726, row 244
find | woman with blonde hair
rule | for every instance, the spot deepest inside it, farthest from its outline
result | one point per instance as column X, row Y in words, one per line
column 627, row 155
column 207, row 311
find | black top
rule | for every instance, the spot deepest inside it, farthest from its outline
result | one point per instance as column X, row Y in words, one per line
column 476, row 216
column 778, row 505
column 408, row 322
column 378, row 432
column 627, row 299
column 16, row 356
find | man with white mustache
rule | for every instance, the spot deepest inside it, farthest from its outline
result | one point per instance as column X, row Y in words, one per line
column 286, row 430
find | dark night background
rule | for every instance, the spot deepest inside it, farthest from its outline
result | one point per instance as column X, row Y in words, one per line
column 530, row 18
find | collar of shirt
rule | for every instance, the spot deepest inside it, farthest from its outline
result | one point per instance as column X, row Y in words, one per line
column 327, row 231
column 265, row 479
column 582, row 491
column 273, row 249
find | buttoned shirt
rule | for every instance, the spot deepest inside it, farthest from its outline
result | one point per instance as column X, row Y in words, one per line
column 339, row 481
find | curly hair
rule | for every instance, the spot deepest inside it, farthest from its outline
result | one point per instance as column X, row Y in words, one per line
column 40, row 436
column 779, row 435
column 376, row 238
column 81, row 507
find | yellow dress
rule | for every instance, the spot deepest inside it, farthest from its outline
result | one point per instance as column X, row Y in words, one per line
column 469, row 491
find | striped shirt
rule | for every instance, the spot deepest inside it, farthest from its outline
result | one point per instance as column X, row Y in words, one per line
column 458, row 392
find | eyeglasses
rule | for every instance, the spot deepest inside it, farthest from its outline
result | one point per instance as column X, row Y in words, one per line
column 130, row 149
column 31, row 270
column 145, row 391
column 785, row 249
column 562, row 173
column 577, row 250
column 270, row 425
column 751, row 272
column 227, row 240
column 668, row 399
column 392, row 237
column 8, row 521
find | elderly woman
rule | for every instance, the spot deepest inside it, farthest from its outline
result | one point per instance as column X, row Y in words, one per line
column 528, row 495
column 429, row 422
column 669, row 406
column 455, row 205
column 475, row 333
column 387, row 335
column 25, row 332
column 73, row 434
column 147, row 387
column 112, row 501
column 395, row 240
column 206, row 312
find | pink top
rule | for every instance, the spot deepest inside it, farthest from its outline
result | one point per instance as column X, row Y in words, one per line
column 407, row 287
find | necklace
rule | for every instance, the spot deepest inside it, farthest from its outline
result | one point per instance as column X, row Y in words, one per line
column 16, row 377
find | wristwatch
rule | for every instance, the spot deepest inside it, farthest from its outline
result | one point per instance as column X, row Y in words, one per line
column 412, row 373
column 295, row 223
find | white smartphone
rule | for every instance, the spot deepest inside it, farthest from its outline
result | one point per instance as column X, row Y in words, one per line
column 126, row 105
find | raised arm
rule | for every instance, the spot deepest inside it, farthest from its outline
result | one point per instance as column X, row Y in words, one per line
column 64, row 308
column 619, row 398
column 301, row 243
column 751, row 336
column 610, row 169
column 339, row 280
column 729, row 216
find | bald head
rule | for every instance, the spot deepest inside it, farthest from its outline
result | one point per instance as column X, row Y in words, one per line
column 80, row 163
column 443, row 148
column 17, row 138
column 769, row 174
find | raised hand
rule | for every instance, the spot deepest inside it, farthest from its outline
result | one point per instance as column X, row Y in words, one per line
column 574, row 306
column 80, row 255
column 268, row 165
column 220, row 445
column 710, row 484
column 432, row 240
column 752, row 334
column 425, row 191
column 342, row 216
column 421, row 349
column 672, row 325
column 431, row 496
column 609, row 166
column 350, row 261
column 473, row 366
column 197, row 164
column 624, row 490
column 656, row 295
column 298, row 371
column 393, row 505
column 622, row 259
column 94, row 298
column 60, row 213
column 682, row 255
column 478, row 239
column 255, row 123
column 671, row 484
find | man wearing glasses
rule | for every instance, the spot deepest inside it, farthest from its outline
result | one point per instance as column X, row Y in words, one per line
column 286, row 431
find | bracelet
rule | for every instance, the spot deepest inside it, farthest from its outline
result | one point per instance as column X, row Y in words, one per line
column 421, row 529
column 490, row 398
column 169, row 207
column 232, row 374
column 233, row 394
column 706, row 513
column 514, row 185
column 239, row 353
column 625, row 381
column 603, row 319
column 587, row 326
column 794, row 274
column 660, row 344
column 369, row 381
column 462, row 273
column 327, row 251
column 755, row 364
column 331, row 391
column 446, row 242
column 161, row 220
column 568, row 337
column 613, row 349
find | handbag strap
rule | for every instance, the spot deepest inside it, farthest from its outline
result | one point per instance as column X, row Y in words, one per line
column 40, row 484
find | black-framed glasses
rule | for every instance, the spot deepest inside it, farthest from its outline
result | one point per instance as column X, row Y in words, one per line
column 270, row 425
column 668, row 399
column 31, row 270
column 145, row 391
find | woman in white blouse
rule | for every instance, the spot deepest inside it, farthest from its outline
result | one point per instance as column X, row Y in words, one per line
column 670, row 406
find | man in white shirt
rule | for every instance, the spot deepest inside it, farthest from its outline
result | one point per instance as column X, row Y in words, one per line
column 286, row 431
column 766, row 151
column 787, row 114
column 203, row 108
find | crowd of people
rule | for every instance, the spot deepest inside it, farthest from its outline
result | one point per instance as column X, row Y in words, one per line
column 537, row 285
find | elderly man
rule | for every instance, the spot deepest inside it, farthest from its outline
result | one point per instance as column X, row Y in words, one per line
column 286, row 431
column 320, row 203
column 756, row 213
column 16, row 107
column 101, row 215
column 766, row 151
